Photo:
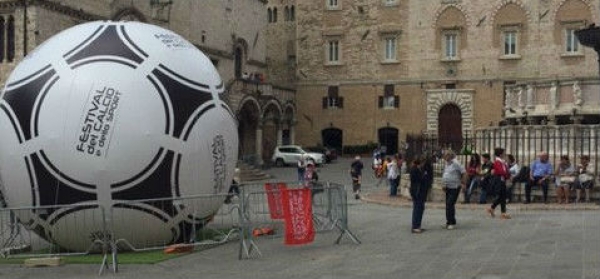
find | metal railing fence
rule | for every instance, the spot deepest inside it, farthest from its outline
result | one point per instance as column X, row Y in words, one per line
column 153, row 224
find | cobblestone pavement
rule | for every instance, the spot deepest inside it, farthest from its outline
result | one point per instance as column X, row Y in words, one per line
column 549, row 243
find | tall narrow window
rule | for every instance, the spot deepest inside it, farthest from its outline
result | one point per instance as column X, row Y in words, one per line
column 571, row 43
column 451, row 45
column 10, row 39
column 390, row 49
column 292, row 13
column 239, row 56
column 2, row 41
column 269, row 15
column 286, row 13
column 510, row 43
column 274, row 14
column 333, row 51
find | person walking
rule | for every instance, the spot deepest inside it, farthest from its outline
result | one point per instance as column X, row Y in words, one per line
column 541, row 171
column 393, row 175
column 473, row 168
column 301, row 167
column 500, row 174
column 452, row 179
column 356, row 175
column 418, row 193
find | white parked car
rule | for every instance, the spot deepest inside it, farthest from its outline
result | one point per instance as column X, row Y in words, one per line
column 290, row 154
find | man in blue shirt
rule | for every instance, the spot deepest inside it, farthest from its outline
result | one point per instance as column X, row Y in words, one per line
column 541, row 171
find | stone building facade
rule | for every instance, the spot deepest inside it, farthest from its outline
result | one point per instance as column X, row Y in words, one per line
column 231, row 33
column 379, row 70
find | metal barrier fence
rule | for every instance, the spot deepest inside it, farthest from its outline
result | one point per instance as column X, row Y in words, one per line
column 88, row 228
column 84, row 229
column 329, row 212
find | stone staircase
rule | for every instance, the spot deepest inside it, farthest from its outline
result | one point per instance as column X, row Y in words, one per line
column 250, row 173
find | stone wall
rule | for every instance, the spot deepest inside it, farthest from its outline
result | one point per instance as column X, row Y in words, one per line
column 481, row 66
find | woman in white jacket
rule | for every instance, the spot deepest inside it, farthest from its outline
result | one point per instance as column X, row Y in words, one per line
column 393, row 176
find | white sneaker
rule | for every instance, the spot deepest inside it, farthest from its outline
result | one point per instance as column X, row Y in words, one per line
column 450, row 227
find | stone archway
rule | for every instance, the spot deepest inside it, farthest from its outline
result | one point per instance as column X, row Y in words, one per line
column 462, row 98
column 248, row 118
column 271, row 121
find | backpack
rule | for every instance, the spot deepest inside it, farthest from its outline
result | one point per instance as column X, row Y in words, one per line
column 523, row 175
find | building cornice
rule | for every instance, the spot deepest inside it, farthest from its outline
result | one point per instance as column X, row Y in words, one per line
column 522, row 80
column 60, row 8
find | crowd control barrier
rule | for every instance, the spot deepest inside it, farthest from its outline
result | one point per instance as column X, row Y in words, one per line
column 259, row 210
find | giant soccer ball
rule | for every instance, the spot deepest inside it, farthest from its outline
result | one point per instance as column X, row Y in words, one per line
column 106, row 113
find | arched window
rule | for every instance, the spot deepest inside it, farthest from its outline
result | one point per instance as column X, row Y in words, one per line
column 239, row 54
column 292, row 13
column 286, row 13
column 274, row 14
column 10, row 39
column 269, row 15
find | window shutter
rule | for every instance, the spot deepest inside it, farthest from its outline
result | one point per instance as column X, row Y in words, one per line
column 396, row 101
column 324, row 102
column 380, row 101
column 340, row 102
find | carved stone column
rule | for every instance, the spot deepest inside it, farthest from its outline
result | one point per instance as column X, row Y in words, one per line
column 293, row 124
column 259, row 144
column 280, row 133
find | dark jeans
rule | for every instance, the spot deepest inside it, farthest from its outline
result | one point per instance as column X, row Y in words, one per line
column 535, row 181
column 301, row 174
column 471, row 185
column 418, row 193
column 355, row 184
column 451, row 197
column 510, row 193
column 394, row 186
column 501, row 197
column 418, row 210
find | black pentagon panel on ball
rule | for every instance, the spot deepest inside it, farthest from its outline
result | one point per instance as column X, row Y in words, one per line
column 99, row 50
column 22, row 96
column 156, row 185
column 49, row 186
column 184, row 95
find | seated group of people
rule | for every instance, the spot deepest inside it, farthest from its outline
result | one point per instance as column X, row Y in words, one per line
column 567, row 177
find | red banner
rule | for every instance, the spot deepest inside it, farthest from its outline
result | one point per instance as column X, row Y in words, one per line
column 274, row 199
column 297, row 210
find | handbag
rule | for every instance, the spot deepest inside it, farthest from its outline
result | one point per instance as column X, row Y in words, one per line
column 567, row 179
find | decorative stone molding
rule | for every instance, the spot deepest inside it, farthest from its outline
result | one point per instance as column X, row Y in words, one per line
column 443, row 8
column 587, row 2
column 437, row 98
column 503, row 3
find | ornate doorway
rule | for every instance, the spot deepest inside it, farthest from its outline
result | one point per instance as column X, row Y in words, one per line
column 450, row 127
